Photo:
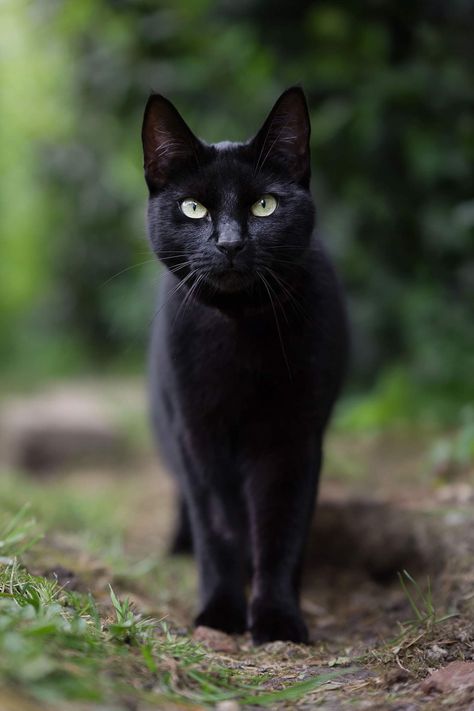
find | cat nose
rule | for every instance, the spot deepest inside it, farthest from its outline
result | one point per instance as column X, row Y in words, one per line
column 230, row 248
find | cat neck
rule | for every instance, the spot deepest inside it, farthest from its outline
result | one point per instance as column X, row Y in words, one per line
column 258, row 302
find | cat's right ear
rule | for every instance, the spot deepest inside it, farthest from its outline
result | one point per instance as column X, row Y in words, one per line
column 168, row 144
column 285, row 136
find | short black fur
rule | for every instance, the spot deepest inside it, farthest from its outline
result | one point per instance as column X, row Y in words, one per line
column 248, row 354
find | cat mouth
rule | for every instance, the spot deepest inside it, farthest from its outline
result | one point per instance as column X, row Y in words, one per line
column 230, row 279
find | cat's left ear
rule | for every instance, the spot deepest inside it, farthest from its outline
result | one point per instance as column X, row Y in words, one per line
column 169, row 145
column 284, row 137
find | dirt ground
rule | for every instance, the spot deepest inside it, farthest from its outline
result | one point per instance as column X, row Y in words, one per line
column 367, row 530
column 383, row 509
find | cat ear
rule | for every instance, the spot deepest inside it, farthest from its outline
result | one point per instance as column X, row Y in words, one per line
column 285, row 136
column 168, row 143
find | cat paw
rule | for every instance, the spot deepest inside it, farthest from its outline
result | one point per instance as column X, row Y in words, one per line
column 269, row 623
column 224, row 613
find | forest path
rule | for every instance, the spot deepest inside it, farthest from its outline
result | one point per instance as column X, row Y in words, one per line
column 384, row 508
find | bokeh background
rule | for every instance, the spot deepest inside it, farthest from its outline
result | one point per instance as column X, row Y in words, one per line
column 390, row 91
column 89, row 599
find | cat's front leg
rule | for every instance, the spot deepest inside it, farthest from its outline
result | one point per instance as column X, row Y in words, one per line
column 216, row 518
column 281, row 492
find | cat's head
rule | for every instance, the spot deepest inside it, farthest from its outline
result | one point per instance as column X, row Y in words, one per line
column 230, row 218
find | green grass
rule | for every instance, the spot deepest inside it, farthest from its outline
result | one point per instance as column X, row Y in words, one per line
column 59, row 645
column 421, row 603
column 399, row 400
column 413, row 646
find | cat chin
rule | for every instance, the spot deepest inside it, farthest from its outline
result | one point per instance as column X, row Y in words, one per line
column 230, row 282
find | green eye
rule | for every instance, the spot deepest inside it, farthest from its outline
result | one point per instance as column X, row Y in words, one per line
column 264, row 206
column 193, row 208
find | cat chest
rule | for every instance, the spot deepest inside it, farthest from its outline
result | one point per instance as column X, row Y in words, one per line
column 236, row 375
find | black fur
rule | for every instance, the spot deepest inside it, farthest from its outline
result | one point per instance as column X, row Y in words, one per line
column 248, row 353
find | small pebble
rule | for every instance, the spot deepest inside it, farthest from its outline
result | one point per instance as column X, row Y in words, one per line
column 228, row 706
column 456, row 676
column 437, row 652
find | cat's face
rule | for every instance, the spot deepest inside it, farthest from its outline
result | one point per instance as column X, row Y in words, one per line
column 229, row 218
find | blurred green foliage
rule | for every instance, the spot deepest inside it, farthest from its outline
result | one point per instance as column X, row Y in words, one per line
column 391, row 101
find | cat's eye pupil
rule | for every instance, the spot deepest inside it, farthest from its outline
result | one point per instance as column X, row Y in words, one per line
column 193, row 208
column 264, row 206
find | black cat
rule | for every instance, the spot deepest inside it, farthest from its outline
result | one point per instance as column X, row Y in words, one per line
column 248, row 353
